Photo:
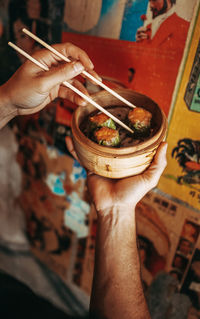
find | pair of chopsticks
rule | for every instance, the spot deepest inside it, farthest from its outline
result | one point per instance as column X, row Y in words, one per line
column 67, row 84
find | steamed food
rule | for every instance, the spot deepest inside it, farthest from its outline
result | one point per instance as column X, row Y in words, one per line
column 100, row 120
column 102, row 130
column 140, row 121
column 107, row 136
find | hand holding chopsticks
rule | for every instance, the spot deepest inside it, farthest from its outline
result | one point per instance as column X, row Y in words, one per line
column 31, row 88
column 67, row 84
column 64, row 58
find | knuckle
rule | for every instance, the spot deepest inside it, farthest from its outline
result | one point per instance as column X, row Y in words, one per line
column 68, row 45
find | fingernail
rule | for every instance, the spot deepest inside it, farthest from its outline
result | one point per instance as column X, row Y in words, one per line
column 78, row 67
column 83, row 103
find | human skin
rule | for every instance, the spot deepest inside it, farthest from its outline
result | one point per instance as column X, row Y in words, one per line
column 157, row 8
column 117, row 291
column 33, row 9
column 30, row 89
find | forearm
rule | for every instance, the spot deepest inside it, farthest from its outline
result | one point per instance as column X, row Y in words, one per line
column 117, row 289
column 7, row 110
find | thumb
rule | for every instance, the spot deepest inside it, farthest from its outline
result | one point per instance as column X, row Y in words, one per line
column 70, row 146
column 63, row 72
column 158, row 165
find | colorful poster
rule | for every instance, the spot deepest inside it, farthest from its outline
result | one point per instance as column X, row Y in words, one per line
column 113, row 19
column 191, row 285
column 84, row 275
column 53, row 195
column 43, row 18
column 132, row 45
column 181, row 178
column 174, row 288
column 168, row 239
column 136, row 44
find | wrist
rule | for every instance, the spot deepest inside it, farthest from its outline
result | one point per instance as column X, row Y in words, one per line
column 7, row 110
column 117, row 212
column 117, row 217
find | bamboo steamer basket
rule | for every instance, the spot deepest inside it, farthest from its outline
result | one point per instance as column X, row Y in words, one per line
column 121, row 162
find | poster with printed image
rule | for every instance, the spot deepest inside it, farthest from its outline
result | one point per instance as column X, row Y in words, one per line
column 181, row 178
column 183, row 231
column 191, row 285
column 84, row 261
column 133, row 43
column 168, row 236
column 136, row 44
column 119, row 19
column 42, row 17
column 114, row 19
column 175, row 288
column 53, row 196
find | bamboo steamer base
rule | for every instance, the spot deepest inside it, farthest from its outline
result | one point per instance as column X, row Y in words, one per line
column 117, row 162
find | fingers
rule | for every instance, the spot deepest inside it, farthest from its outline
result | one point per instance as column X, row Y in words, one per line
column 141, row 36
column 153, row 173
column 60, row 71
column 160, row 156
column 95, row 75
column 59, row 74
column 75, row 53
column 71, row 96
column 89, row 173
column 71, row 70
column 70, row 50
column 77, row 99
column 70, row 147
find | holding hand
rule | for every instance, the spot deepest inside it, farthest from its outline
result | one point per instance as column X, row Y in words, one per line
column 117, row 287
column 127, row 192
column 141, row 34
column 30, row 89
column 108, row 193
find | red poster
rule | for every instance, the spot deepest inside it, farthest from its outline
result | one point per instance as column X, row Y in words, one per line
column 150, row 62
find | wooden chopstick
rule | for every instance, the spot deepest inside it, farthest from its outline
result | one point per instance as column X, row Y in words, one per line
column 33, row 36
column 67, row 84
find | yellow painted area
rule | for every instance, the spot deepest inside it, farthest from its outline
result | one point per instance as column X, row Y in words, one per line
column 184, row 124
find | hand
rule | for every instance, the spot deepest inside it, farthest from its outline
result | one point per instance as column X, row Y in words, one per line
column 117, row 269
column 30, row 89
column 107, row 193
column 141, row 34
